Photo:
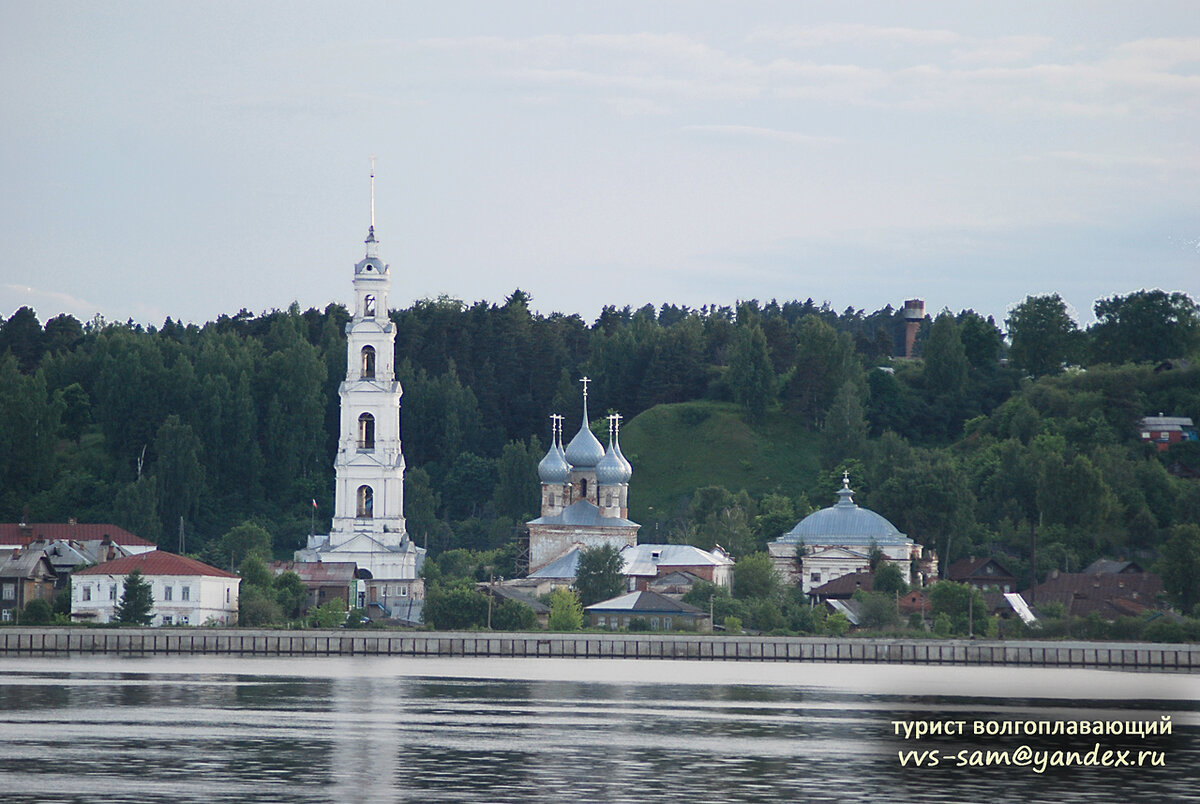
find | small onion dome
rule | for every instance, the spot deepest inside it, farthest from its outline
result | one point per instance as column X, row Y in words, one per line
column 610, row 471
column 625, row 464
column 553, row 470
column 585, row 450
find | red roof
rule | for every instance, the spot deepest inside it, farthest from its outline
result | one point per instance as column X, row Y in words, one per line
column 16, row 533
column 156, row 562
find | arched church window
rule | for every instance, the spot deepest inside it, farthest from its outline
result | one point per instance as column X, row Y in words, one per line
column 583, row 488
column 366, row 431
column 368, row 363
column 366, row 502
column 369, row 305
column 608, row 499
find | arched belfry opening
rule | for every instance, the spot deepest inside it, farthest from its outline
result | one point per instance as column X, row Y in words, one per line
column 368, row 362
column 366, row 502
column 366, row 431
column 369, row 305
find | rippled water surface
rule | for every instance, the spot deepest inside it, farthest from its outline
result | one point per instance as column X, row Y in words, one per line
column 206, row 729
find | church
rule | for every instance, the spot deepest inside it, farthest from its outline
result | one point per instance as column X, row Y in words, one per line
column 585, row 494
column 368, row 519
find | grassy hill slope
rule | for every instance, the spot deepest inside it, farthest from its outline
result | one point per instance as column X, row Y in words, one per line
column 678, row 448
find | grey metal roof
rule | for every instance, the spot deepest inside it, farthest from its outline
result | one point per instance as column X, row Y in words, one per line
column 645, row 602
column 1161, row 422
column 844, row 524
column 565, row 566
column 583, row 513
column 645, row 559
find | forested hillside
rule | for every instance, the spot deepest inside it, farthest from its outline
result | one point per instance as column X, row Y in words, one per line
column 739, row 420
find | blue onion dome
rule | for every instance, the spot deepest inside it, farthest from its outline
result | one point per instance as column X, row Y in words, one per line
column 553, row 469
column 625, row 464
column 610, row 471
column 585, row 450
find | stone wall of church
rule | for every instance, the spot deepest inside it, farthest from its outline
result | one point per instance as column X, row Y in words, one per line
column 548, row 542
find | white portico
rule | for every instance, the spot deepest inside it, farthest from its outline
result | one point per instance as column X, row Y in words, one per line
column 368, row 517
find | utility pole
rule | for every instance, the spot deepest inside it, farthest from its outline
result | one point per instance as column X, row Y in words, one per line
column 182, row 541
column 491, row 591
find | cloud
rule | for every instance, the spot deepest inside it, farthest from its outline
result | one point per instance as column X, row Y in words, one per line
column 26, row 295
column 844, row 33
column 735, row 133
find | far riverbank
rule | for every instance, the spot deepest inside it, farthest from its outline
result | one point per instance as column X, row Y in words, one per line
column 249, row 642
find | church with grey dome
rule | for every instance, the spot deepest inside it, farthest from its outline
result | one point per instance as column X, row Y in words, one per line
column 585, row 493
column 838, row 540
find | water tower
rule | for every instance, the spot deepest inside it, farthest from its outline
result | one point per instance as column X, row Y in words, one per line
column 914, row 314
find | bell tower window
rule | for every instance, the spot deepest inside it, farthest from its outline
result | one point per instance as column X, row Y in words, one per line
column 366, row 502
column 368, row 363
column 366, row 431
column 369, row 305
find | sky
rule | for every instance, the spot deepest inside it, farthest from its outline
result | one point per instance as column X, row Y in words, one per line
column 193, row 159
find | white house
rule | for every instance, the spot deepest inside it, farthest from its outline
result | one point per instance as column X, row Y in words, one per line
column 185, row 591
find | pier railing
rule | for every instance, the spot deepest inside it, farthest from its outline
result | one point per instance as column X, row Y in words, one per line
column 247, row 642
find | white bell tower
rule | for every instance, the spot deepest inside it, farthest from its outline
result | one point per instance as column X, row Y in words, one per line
column 369, row 493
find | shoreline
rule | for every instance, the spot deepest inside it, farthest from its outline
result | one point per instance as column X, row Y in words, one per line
column 1132, row 656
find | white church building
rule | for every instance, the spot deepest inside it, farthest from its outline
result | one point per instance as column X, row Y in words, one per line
column 368, row 518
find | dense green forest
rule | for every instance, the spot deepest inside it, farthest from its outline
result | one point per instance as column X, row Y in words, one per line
column 740, row 420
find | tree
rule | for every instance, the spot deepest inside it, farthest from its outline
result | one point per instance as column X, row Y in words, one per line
column 599, row 574
column 825, row 360
column 329, row 614
column 509, row 615
column 517, row 493
column 566, row 613
column 241, row 542
column 1148, row 325
column 945, row 358
column 136, row 601
column 845, row 424
column 1043, row 334
column 889, row 579
column 754, row 576
column 37, row 612
column 455, row 607
column 179, row 472
column 291, row 594
column 750, row 375
column 1180, row 566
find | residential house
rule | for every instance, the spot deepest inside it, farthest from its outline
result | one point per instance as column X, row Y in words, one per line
column 1163, row 431
column 1111, row 594
column 659, row 612
column 985, row 574
column 25, row 576
column 185, row 591
column 324, row 580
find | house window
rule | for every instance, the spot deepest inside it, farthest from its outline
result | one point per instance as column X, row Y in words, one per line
column 366, row 502
column 87, row 593
column 403, row 591
column 667, row 623
column 815, row 577
column 166, row 620
column 654, row 623
column 226, row 594
column 615, row 625
column 185, row 593
column 112, row 592
column 600, row 620
column 6, row 615
column 368, row 362
column 167, row 591
column 9, row 592
column 366, row 431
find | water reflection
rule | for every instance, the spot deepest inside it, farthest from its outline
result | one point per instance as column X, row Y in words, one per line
column 200, row 729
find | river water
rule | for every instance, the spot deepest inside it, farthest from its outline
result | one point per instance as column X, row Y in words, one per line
column 228, row 729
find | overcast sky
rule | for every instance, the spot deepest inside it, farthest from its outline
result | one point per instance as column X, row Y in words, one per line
column 191, row 159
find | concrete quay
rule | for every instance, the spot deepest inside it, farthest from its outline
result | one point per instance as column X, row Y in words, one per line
column 43, row 641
